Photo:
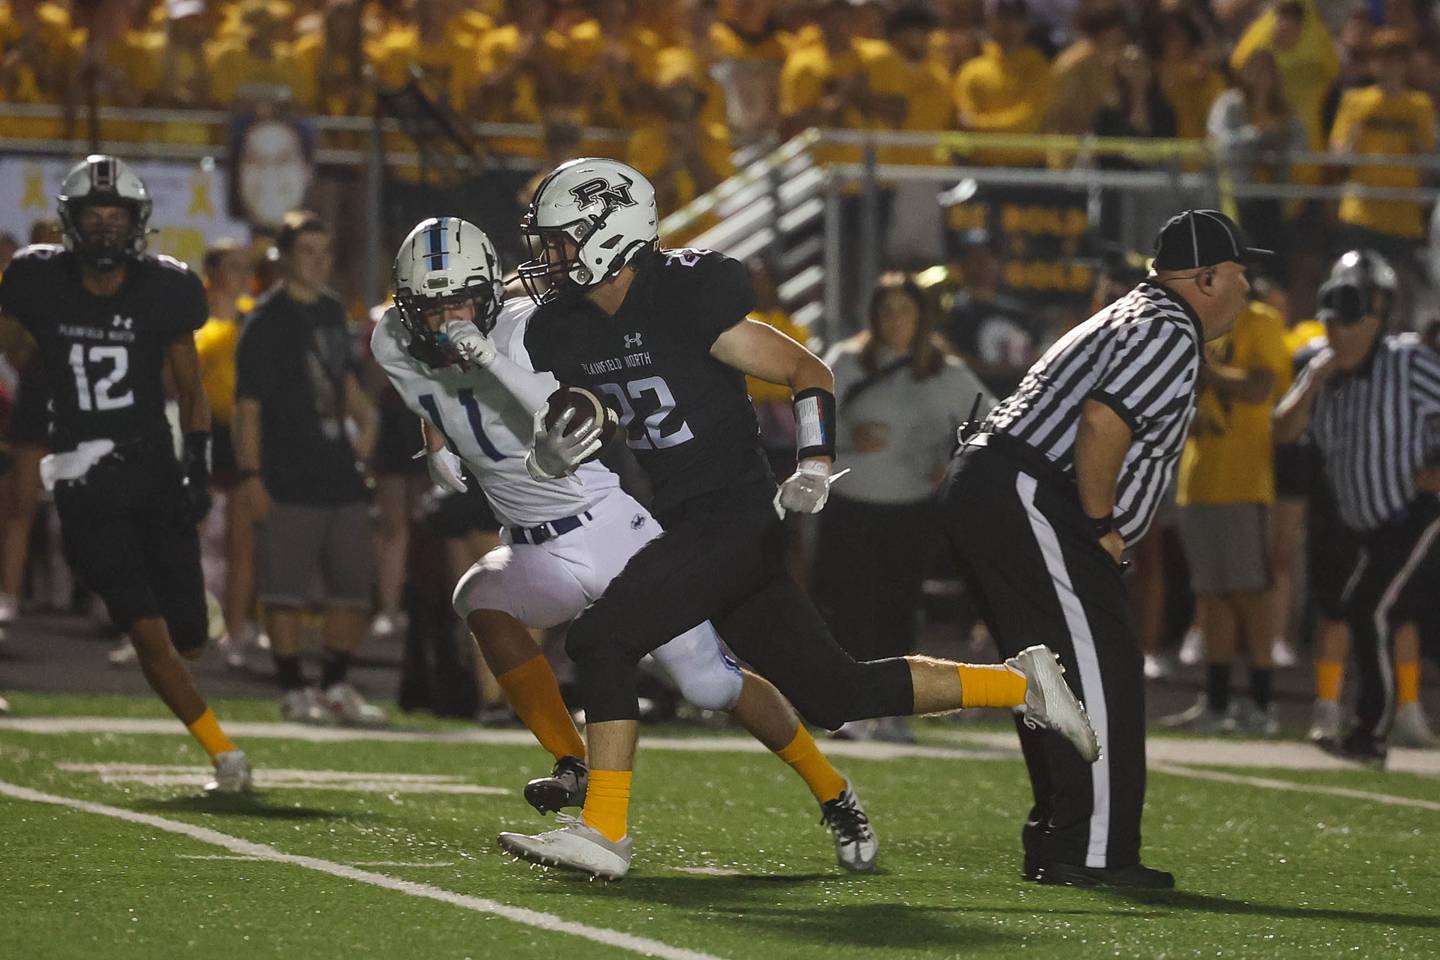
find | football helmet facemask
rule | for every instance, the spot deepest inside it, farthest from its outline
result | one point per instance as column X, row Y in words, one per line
column 443, row 262
column 588, row 219
column 1361, row 282
column 101, row 180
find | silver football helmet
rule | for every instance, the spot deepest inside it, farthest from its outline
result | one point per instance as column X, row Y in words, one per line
column 588, row 219
column 444, row 261
column 1361, row 282
column 103, row 180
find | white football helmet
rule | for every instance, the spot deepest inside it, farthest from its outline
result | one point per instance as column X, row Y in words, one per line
column 588, row 219
column 103, row 180
column 443, row 261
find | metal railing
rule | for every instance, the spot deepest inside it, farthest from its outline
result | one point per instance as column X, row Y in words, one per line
column 774, row 204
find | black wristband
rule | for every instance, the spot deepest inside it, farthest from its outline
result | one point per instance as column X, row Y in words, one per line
column 197, row 447
column 1100, row 526
column 814, row 423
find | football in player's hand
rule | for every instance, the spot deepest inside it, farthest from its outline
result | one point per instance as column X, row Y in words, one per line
column 585, row 406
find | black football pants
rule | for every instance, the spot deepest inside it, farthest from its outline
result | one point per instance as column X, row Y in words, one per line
column 721, row 558
column 1017, row 532
column 125, row 532
column 1394, row 578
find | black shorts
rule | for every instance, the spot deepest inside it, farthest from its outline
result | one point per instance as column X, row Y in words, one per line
column 1296, row 469
column 455, row 515
column 1331, row 552
column 125, row 534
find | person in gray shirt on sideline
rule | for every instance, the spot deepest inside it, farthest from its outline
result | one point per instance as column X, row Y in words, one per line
column 901, row 398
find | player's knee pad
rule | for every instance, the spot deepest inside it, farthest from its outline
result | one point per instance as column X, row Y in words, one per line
column 474, row 590
column 700, row 670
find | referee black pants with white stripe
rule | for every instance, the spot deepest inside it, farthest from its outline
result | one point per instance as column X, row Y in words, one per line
column 1038, row 578
column 1395, row 577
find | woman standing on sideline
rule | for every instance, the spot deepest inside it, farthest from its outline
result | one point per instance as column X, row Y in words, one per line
column 901, row 398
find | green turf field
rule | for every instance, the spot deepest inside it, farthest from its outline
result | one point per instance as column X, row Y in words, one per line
column 730, row 859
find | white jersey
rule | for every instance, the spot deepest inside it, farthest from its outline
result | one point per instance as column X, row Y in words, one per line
column 485, row 425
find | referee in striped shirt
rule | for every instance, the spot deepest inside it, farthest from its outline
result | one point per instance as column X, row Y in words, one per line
column 1064, row 474
column 1370, row 402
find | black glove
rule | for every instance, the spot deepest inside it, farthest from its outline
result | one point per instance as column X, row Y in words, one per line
column 196, row 464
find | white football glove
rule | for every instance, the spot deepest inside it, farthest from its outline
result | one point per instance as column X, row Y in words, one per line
column 445, row 470
column 807, row 488
column 553, row 454
column 474, row 347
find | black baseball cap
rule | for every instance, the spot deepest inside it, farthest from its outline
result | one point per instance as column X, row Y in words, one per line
column 1202, row 238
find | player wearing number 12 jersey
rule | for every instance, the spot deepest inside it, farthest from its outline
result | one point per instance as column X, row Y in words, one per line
column 664, row 335
column 456, row 356
column 105, row 320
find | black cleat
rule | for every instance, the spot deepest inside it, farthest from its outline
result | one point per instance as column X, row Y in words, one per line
column 565, row 787
column 1357, row 746
column 1136, row 876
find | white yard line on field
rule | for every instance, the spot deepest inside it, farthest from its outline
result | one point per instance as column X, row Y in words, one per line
column 643, row 946
column 155, row 774
column 1268, row 783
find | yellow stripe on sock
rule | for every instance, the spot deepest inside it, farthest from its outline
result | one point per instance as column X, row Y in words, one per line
column 990, row 686
column 1407, row 683
column 206, row 729
column 1329, row 675
column 805, row 758
column 534, row 692
column 607, row 802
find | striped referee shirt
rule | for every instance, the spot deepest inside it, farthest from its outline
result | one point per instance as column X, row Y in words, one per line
column 1375, row 427
column 1140, row 356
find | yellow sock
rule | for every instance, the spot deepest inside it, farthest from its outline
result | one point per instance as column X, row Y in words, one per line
column 806, row 759
column 607, row 802
column 1407, row 682
column 535, row 694
column 1329, row 674
column 990, row 686
column 206, row 729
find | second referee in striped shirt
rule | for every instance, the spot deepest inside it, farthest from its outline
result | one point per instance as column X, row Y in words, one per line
column 1065, row 473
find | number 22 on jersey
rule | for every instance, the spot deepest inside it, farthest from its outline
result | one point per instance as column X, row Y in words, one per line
column 653, row 437
column 101, row 394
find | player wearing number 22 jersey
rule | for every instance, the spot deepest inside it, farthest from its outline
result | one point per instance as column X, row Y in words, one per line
column 563, row 540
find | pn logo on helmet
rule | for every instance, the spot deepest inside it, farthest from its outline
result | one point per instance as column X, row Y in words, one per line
column 599, row 189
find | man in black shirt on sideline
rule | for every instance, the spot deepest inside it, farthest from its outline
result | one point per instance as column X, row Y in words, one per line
column 106, row 320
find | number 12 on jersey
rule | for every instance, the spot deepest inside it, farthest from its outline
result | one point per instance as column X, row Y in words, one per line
column 101, row 395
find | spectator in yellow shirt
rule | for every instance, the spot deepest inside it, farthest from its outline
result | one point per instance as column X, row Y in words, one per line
column 1188, row 78
column 258, row 62
column 823, row 82
column 682, row 153
column 1083, row 75
column 909, row 88
column 519, row 71
column 445, row 56
column 608, row 59
column 37, row 60
column 1007, row 89
column 332, row 61
column 1226, row 490
column 1295, row 33
column 749, row 48
column 1387, row 118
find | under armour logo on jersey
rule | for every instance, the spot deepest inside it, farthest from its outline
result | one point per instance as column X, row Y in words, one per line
column 637, row 521
column 611, row 195
column 123, row 323
column 632, row 341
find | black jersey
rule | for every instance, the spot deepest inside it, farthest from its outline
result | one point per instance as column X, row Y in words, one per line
column 687, row 416
column 103, row 356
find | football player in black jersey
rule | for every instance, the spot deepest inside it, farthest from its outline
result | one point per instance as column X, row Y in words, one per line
column 663, row 335
column 106, row 319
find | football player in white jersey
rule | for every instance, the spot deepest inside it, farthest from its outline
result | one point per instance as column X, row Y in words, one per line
column 454, row 349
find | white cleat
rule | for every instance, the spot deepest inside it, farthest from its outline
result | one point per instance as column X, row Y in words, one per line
column 1050, row 704
column 1411, row 729
column 388, row 626
column 348, row 708
column 9, row 609
column 855, row 842
column 1283, row 654
column 1192, row 648
column 304, row 705
column 575, row 846
column 1325, row 721
column 232, row 773
column 123, row 654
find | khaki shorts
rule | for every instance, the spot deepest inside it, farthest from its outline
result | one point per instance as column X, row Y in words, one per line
column 1227, row 546
column 319, row 555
